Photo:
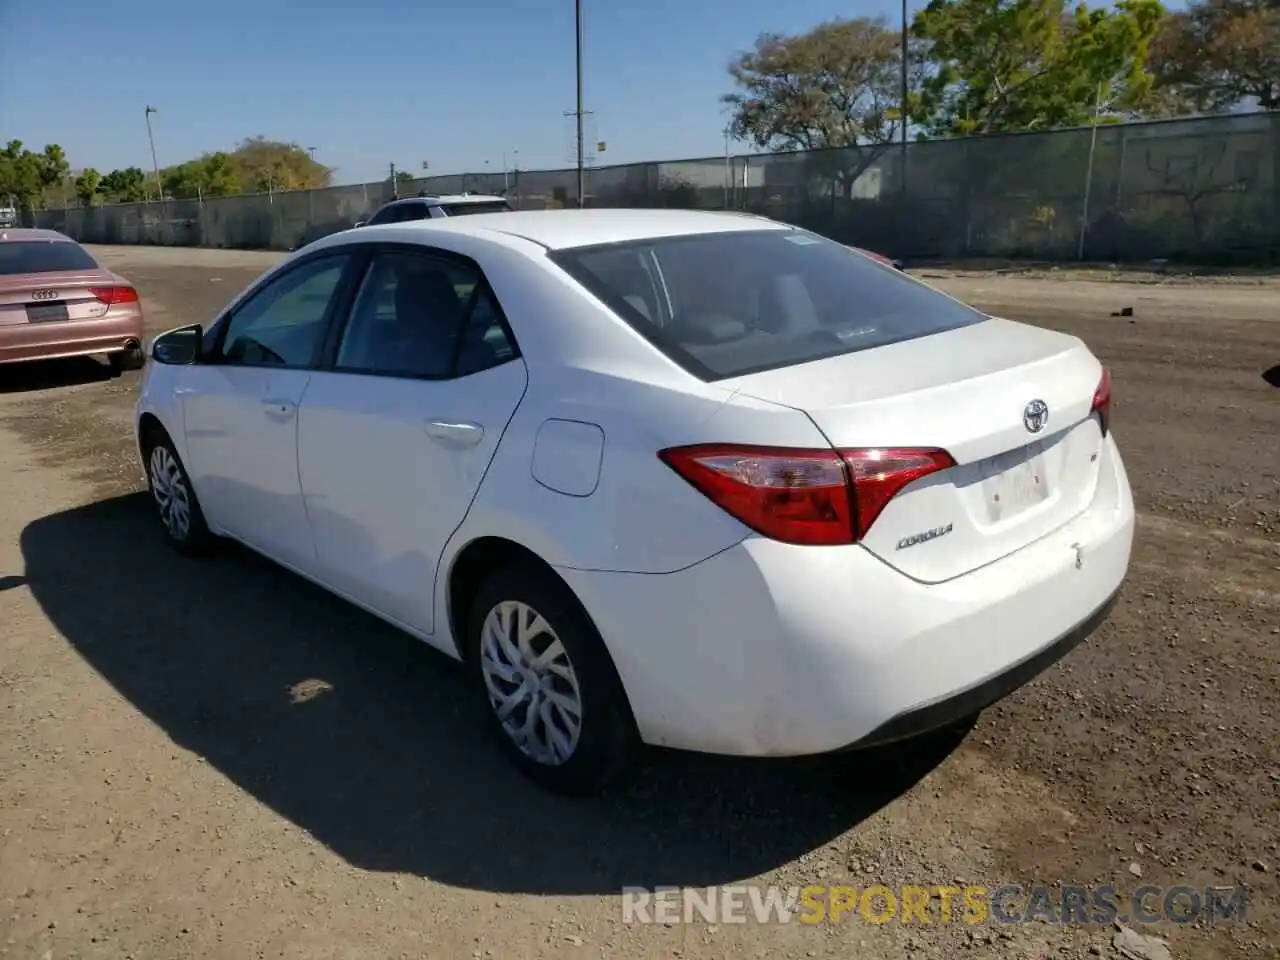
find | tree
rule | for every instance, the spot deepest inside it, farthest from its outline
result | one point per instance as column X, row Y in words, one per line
column 87, row 186
column 831, row 87
column 1218, row 54
column 124, row 186
column 264, row 164
column 1011, row 65
column 53, row 166
column 836, row 86
column 25, row 175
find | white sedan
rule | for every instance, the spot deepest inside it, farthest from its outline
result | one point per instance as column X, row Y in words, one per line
column 701, row 480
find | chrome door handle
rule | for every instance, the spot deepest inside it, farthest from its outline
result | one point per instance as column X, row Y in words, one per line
column 456, row 433
column 279, row 408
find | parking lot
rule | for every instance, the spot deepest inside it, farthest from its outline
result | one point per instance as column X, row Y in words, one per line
column 215, row 759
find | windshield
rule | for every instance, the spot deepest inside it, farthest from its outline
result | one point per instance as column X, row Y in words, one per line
column 726, row 304
column 486, row 206
column 43, row 256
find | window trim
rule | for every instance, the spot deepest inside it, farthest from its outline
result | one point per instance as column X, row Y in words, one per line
column 328, row 361
column 338, row 301
column 566, row 258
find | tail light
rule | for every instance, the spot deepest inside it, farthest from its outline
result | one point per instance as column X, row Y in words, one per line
column 814, row 497
column 1102, row 401
column 114, row 295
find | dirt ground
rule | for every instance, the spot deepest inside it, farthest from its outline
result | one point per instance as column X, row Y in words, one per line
column 213, row 759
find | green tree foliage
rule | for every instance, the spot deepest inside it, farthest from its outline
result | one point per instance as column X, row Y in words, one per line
column 835, row 86
column 87, row 186
column 25, row 175
column 263, row 164
column 1217, row 54
column 1011, row 65
column 124, row 186
column 256, row 165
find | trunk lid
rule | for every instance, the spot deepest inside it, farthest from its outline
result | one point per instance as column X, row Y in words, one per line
column 966, row 391
column 61, row 295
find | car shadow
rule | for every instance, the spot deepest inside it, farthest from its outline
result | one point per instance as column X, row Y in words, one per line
column 1272, row 376
column 35, row 375
column 370, row 742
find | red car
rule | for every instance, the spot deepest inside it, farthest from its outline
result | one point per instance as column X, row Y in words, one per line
column 57, row 301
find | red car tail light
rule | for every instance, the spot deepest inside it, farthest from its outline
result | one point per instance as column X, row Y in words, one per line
column 802, row 496
column 879, row 475
column 114, row 295
column 1102, row 401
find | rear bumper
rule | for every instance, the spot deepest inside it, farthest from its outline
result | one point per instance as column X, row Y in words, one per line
column 964, row 703
column 768, row 649
column 118, row 330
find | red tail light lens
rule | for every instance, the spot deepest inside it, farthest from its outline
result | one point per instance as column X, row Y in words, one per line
column 879, row 475
column 814, row 497
column 1102, row 401
column 114, row 295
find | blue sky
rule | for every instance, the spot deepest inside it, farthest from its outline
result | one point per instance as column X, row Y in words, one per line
column 452, row 82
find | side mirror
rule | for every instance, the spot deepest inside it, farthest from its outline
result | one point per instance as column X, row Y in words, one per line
column 361, row 223
column 178, row 347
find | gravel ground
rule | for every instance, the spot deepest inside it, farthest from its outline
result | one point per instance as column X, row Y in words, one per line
column 215, row 759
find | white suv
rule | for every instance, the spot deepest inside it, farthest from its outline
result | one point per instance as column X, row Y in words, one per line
column 428, row 207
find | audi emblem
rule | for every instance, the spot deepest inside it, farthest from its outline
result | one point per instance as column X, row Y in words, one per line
column 45, row 295
column 1035, row 415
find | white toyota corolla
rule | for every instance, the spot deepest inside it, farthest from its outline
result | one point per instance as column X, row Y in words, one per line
column 701, row 480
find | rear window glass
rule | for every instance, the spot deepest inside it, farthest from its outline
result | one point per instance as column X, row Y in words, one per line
column 727, row 304
column 43, row 256
column 488, row 206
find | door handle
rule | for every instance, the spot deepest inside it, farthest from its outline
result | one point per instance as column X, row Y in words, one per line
column 456, row 433
column 279, row 408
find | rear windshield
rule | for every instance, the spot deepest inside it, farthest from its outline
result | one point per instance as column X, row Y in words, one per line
column 726, row 304
column 43, row 256
column 487, row 206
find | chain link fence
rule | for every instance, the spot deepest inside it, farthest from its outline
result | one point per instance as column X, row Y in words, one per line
column 1204, row 190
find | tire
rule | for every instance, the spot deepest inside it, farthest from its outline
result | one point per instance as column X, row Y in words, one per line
column 171, row 489
column 606, row 740
column 130, row 359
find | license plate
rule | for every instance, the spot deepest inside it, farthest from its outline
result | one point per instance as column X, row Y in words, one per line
column 1014, row 482
column 46, row 312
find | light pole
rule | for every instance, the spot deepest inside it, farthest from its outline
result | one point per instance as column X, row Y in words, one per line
column 506, row 182
column 903, row 120
column 577, row 9
column 154, row 163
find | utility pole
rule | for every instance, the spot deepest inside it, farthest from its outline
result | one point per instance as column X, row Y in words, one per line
column 164, row 213
column 154, row 163
column 728, row 166
column 395, row 187
column 312, row 151
column 582, row 200
column 903, row 121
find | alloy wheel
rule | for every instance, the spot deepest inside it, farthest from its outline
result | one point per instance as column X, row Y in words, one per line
column 531, row 683
column 169, row 487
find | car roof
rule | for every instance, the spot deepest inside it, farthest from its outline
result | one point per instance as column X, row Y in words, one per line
column 29, row 233
column 436, row 199
column 561, row 229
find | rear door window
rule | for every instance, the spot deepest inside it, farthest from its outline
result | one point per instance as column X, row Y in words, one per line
column 484, row 206
column 738, row 302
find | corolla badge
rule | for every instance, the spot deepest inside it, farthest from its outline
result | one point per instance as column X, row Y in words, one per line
column 1035, row 416
column 924, row 536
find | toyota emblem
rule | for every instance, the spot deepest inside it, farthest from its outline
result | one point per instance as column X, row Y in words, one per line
column 1035, row 415
column 45, row 295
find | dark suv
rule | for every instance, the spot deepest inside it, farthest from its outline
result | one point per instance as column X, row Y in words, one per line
column 427, row 207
